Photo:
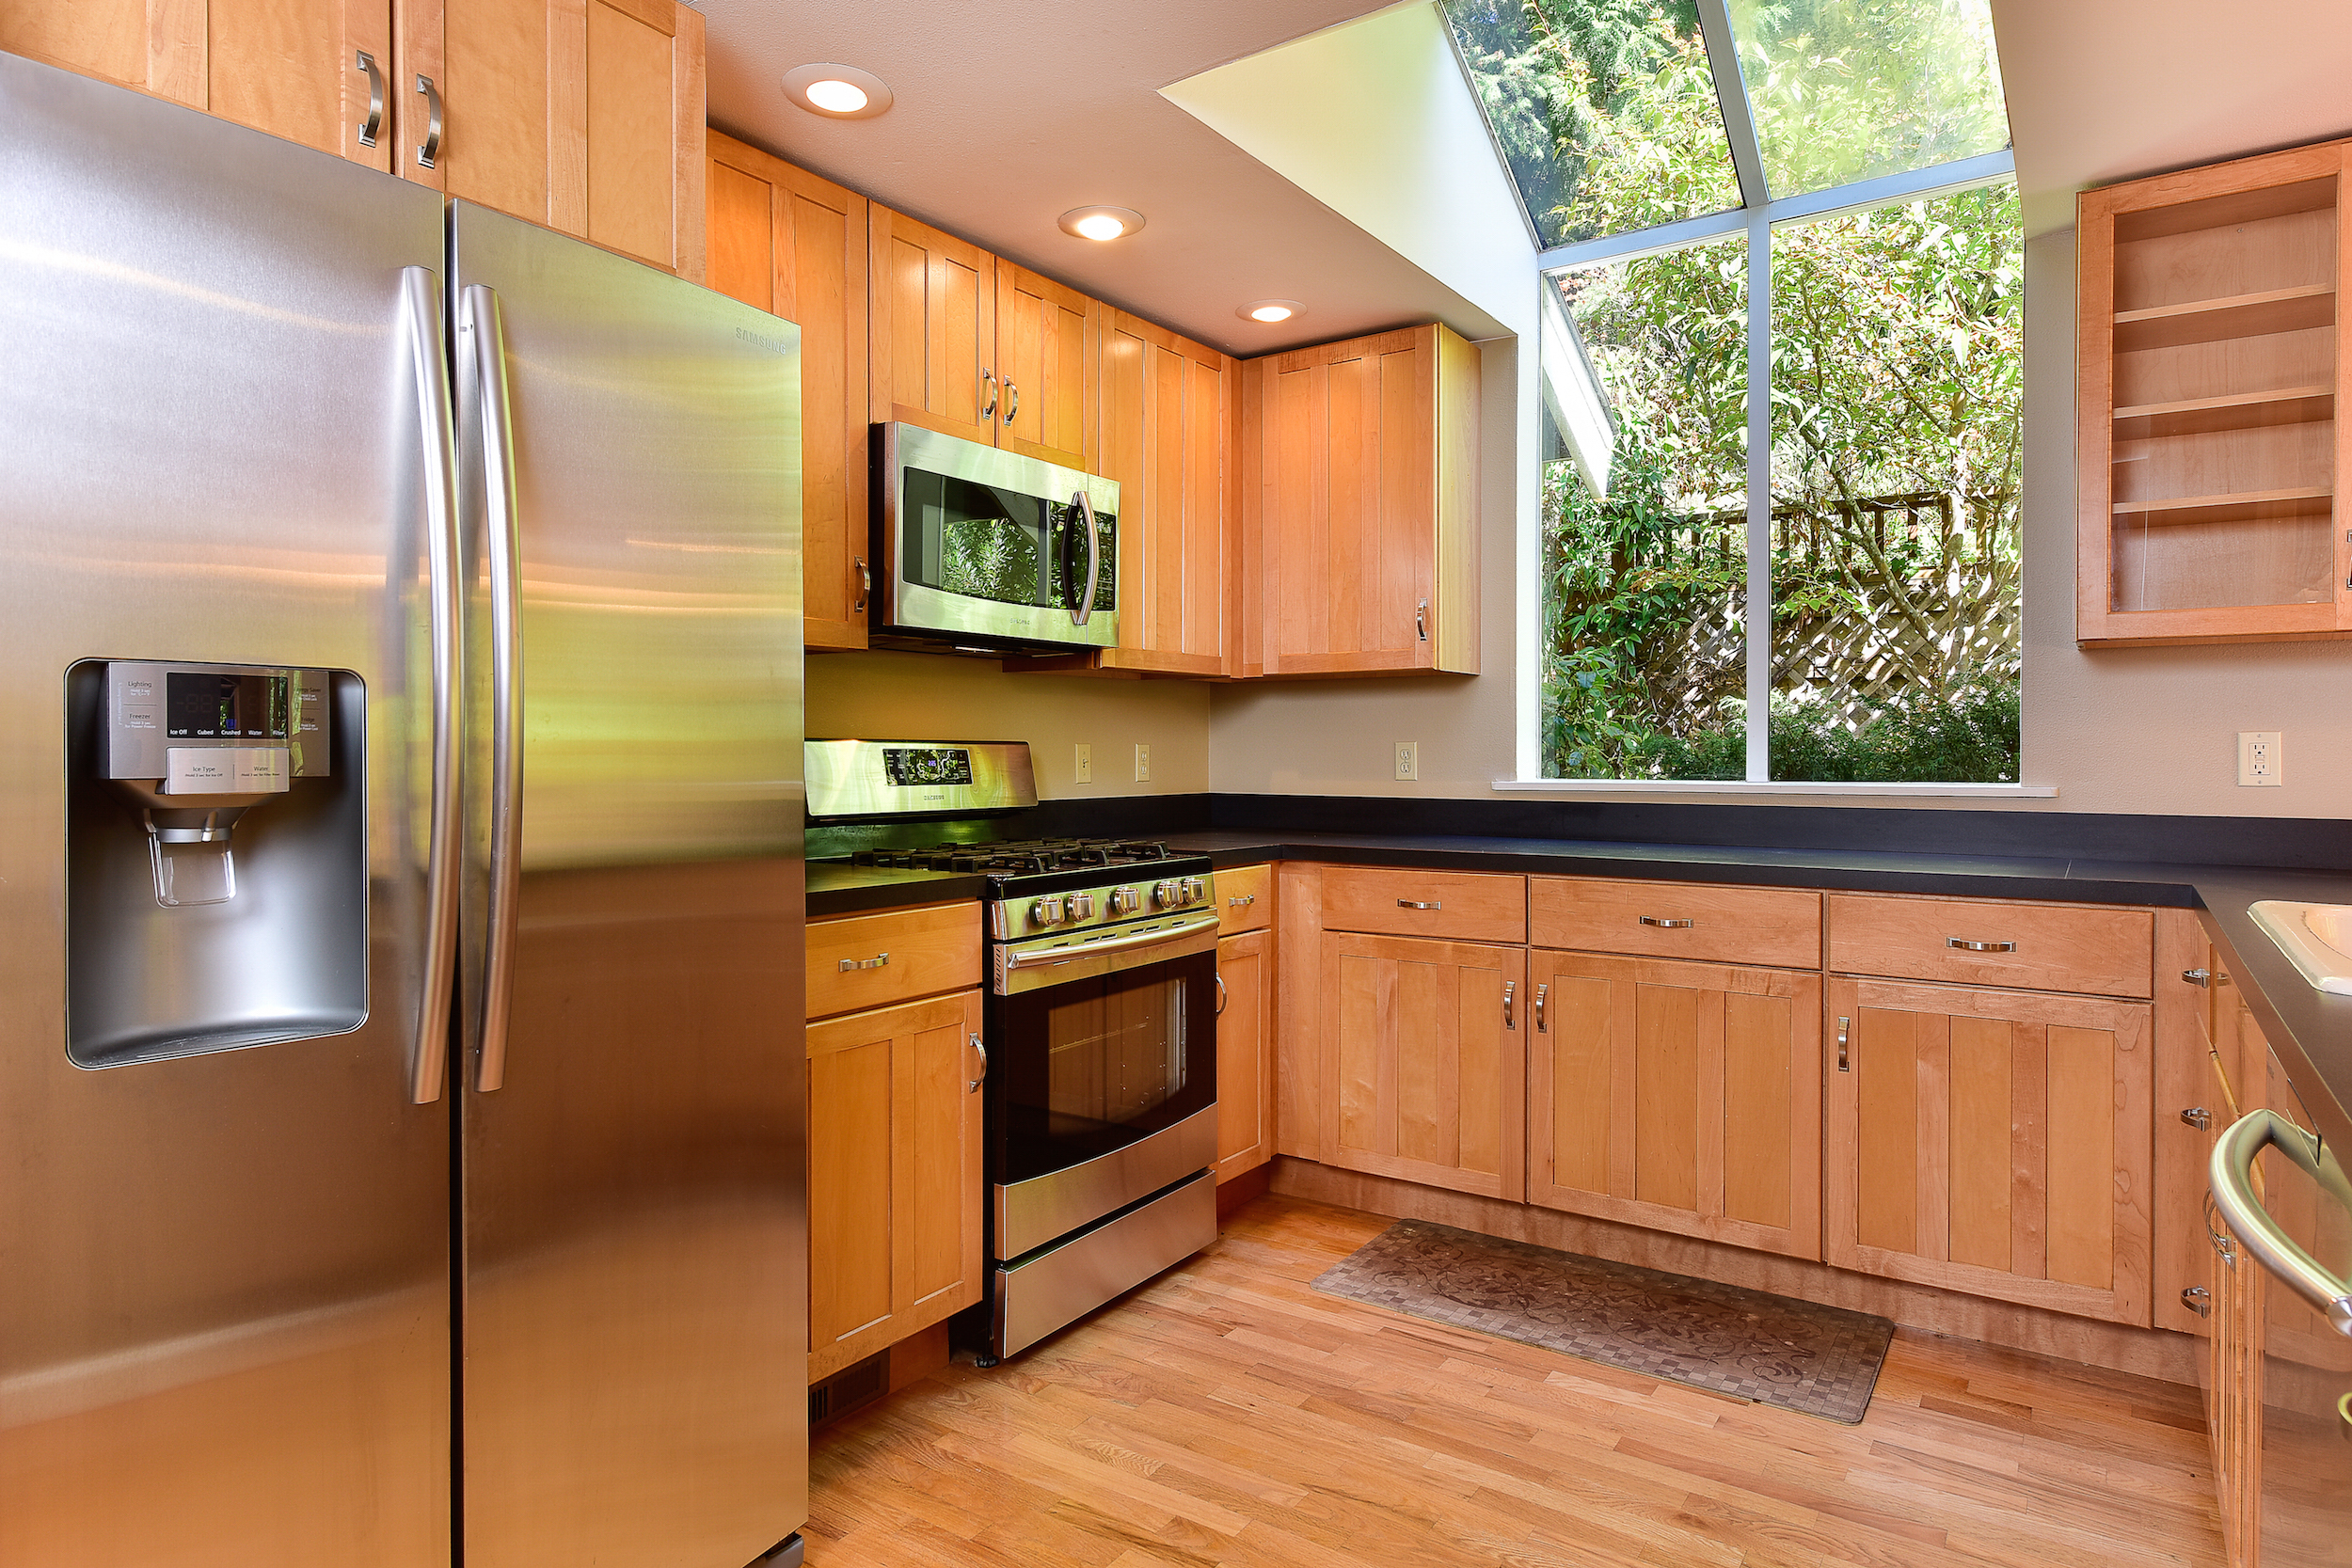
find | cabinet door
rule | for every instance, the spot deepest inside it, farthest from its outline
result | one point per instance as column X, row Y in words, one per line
column 1245, row 1053
column 287, row 67
column 1991, row 1142
column 1424, row 1071
column 583, row 115
column 1164, row 417
column 933, row 329
column 1680, row 1096
column 1047, row 344
column 791, row 243
column 894, row 1175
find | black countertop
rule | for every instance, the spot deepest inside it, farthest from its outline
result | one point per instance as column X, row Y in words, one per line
column 2311, row 1030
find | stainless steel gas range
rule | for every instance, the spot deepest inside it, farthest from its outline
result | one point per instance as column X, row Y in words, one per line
column 1101, row 1088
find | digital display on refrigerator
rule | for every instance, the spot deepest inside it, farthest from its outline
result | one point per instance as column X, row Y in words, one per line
column 209, row 706
column 927, row 765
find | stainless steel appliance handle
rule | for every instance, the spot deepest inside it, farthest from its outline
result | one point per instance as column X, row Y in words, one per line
column 1159, row 936
column 974, row 1088
column 365, row 63
column 2232, row 1174
column 1084, row 606
column 486, row 327
column 421, row 295
column 988, row 405
column 430, row 147
column 1667, row 924
column 1967, row 946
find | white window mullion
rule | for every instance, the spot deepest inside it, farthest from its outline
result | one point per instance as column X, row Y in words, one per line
column 1731, row 97
column 1759, row 606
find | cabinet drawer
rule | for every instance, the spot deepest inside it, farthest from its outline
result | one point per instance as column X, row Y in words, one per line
column 1459, row 906
column 1244, row 899
column 2030, row 946
column 1779, row 927
column 921, row 952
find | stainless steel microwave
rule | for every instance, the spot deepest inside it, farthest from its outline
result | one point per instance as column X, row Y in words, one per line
column 985, row 548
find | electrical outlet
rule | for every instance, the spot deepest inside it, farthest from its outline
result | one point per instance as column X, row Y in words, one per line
column 2261, row 757
column 1408, row 759
column 1143, row 764
column 1082, row 767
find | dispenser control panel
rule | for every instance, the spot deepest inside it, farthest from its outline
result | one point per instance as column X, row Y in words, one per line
column 269, row 726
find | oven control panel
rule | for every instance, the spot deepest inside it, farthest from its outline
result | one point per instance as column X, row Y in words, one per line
column 1022, row 914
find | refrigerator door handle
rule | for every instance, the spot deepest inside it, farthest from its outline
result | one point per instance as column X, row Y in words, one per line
column 486, row 330
column 421, row 298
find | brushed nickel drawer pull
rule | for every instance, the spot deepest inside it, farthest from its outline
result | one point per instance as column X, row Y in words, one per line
column 1967, row 946
column 1241, row 900
column 1845, row 1063
column 1668, row 925
column 877, row 961
column 1413, row 904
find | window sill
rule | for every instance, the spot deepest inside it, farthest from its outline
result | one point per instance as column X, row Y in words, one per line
column 1742, row 786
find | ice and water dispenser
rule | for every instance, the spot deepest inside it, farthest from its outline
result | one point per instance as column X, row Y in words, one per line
column 216, row 857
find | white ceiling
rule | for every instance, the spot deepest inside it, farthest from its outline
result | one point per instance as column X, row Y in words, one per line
column 1007, row 116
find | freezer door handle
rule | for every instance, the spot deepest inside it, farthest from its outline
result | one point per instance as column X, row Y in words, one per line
column 420, row 299
column 486, row 329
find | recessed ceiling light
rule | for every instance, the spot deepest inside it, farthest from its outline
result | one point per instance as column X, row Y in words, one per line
column 1101, row 223
column 837, row 92
column 1271, row 311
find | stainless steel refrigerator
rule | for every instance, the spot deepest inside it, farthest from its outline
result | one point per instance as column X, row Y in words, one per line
column 401, row 1083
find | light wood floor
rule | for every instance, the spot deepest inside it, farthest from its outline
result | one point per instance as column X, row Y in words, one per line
column 1226, row 1414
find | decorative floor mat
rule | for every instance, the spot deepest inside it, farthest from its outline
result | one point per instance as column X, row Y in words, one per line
column 1815, row 1360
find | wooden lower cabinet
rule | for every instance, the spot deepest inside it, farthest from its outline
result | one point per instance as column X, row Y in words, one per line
column 894, row 1175
column 1424, row 1066
column 1682, row 1097
column 1991, row 1142
column 1245, row 1053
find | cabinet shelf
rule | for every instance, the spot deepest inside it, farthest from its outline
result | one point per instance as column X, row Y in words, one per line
column 2238, row 411
column 2239, row 507
column 2207, row 321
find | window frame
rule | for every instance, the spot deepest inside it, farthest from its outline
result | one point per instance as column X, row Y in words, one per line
column 1758, row 213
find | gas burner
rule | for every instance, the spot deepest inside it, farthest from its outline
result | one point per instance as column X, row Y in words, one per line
column 1030, row 857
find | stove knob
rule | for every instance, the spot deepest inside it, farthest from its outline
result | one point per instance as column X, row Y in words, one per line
column 1082, row 906
column 1125, row 900
column 1166, row 895
column 1192, row 891
column 1045, row 911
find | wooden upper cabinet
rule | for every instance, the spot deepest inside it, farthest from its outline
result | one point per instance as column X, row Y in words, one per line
column 290, row 68
column 1047, row 347
column 585, row 116
column 933, row 329
column 1360, row 506
column 1165, row 405
column 1990, row 1142
column 1678, row 1096
column 2211, row 361
column 788, row 242
column 1424, row 1069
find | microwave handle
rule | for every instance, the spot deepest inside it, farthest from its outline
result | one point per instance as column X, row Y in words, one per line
column 1084, row 606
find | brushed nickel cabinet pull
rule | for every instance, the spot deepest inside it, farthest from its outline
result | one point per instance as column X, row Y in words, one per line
column 1241, row 900
column 1845, row 1063
column 2200, row 1301
column 375, row 122
column 1012, row 400
column 1421, row 622
column 1541, row 993
column 1415, row 904
column 864, row 585
column 2199, row 1117
column 1509, row 988
column 988, row 404
column 430, row 147
column 1967, row 946
column 1219, row 978
column 1667, row 924
column 877, row 961
column 2197, row 976
column 975, row 1086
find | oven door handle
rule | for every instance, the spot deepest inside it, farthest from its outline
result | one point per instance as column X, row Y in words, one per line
column 1047, row 958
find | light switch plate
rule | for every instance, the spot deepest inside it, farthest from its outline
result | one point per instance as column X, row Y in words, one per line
column 1082, row 766
column 1143, row 763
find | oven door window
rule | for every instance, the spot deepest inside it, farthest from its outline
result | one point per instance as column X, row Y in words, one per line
column 975, row 541
column 1096, row 1064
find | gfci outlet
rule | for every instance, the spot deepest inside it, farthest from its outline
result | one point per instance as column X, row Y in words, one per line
column 1408, row 759
column 1082, row 766
column 1143, row 764
column 2261, row 757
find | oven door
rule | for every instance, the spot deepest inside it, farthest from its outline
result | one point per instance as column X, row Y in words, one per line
column 989, row 546
column 1102, row 1088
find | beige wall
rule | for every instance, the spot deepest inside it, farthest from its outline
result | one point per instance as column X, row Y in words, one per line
column 941, row 697
column 2116, row 730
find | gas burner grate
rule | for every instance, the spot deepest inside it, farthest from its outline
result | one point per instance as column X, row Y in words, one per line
column 1029, row 857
